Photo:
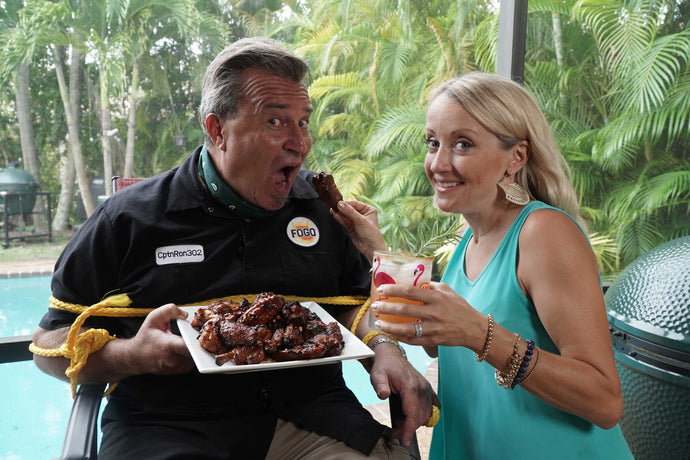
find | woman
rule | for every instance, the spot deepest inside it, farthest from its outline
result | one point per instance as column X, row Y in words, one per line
column 518, row 321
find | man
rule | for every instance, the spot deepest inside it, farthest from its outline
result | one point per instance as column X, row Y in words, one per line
column 219, row 225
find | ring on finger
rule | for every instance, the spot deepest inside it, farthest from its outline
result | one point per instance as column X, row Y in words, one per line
column 417, row 330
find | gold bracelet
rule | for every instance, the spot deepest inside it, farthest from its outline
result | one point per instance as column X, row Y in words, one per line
column 514, row 362
column 489, row 338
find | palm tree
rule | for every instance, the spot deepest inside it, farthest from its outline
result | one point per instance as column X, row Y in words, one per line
column 374, row 65
column 19, row 68
column 45, row 24
column 642, row 141
column 121, row 33
column 376, row 61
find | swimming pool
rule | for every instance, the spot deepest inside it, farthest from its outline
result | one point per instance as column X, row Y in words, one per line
column 35, row 408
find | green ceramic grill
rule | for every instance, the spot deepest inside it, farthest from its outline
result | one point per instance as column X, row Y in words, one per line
column 22, row 188
column 649, row 316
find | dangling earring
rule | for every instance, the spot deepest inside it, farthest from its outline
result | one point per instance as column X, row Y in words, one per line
column 515, row 193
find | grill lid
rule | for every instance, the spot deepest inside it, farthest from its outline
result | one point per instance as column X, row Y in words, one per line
column 651, row 297
column 14, row 178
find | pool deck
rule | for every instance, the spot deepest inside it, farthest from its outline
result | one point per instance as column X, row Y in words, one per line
column 44, row 267
column 22, row 268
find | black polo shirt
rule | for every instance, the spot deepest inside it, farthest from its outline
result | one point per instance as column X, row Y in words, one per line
column 166, row 239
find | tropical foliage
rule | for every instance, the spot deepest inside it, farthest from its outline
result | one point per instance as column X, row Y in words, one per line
column 611, row 75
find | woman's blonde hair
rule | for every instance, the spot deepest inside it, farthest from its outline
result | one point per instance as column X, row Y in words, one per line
column 507, row 110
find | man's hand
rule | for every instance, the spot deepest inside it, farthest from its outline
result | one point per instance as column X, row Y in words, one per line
column 393, row 374
column 155, row 349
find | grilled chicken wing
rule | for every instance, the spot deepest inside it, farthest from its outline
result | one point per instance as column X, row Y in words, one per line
column 269, row 327
column 327, row 190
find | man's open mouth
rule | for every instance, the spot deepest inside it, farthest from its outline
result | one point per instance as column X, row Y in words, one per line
column 285, row 176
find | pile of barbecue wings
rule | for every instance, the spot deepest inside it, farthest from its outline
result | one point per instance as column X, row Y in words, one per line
column 269, row 327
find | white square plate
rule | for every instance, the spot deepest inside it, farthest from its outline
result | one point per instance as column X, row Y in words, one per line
column 206, row 361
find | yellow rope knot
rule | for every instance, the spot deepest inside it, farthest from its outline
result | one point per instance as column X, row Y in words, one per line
column 80, row 344
column 87, row 342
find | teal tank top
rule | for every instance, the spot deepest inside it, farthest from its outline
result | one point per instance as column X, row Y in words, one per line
column 481, row 420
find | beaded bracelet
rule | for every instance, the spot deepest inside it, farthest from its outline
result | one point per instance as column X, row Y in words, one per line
column 489, row 338
column 515, row 361
column 525, row 364
column 536, row 361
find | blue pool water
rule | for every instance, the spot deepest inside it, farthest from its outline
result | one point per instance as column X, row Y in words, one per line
column 34, row 407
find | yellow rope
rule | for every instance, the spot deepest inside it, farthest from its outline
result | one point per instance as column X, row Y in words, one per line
column 435, row 416
column 360, row 314
column 79, row 346
column 113, row 311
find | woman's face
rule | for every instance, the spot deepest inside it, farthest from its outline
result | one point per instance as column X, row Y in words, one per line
column 464, row 161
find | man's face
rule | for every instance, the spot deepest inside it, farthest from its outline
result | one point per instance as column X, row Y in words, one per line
column 260, row 151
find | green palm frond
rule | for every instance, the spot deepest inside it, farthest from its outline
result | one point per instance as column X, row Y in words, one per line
column 486, row 45
column 401, row 126
column 355, row 178
column 612, row 149
column 639, row 235
column 557, row 6
column 341, row 85
column 621, row 141
column 342, row 92
column 666, row 190
column 325, row 151
column 607, row 254
column 622, row 29
column 657, row 71
column 344, row 125
column 395, row 60
column 400, row 179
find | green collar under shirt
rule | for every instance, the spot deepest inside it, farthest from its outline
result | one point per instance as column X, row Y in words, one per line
column 223, row 193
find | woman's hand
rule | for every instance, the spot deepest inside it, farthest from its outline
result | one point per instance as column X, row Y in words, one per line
column 361, row 222
column 446, row 318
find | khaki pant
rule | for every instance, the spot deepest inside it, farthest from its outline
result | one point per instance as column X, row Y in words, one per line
column 291, row 443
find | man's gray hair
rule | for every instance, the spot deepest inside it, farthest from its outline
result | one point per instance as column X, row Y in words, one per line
column 222, row 91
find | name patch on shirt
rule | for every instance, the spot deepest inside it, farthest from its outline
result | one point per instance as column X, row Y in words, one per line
column 303, row 231
column 181, row 254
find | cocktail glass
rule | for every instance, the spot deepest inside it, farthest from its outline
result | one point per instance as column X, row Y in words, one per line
column 397, row 267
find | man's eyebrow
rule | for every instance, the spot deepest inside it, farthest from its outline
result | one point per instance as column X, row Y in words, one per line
column 278, row 105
